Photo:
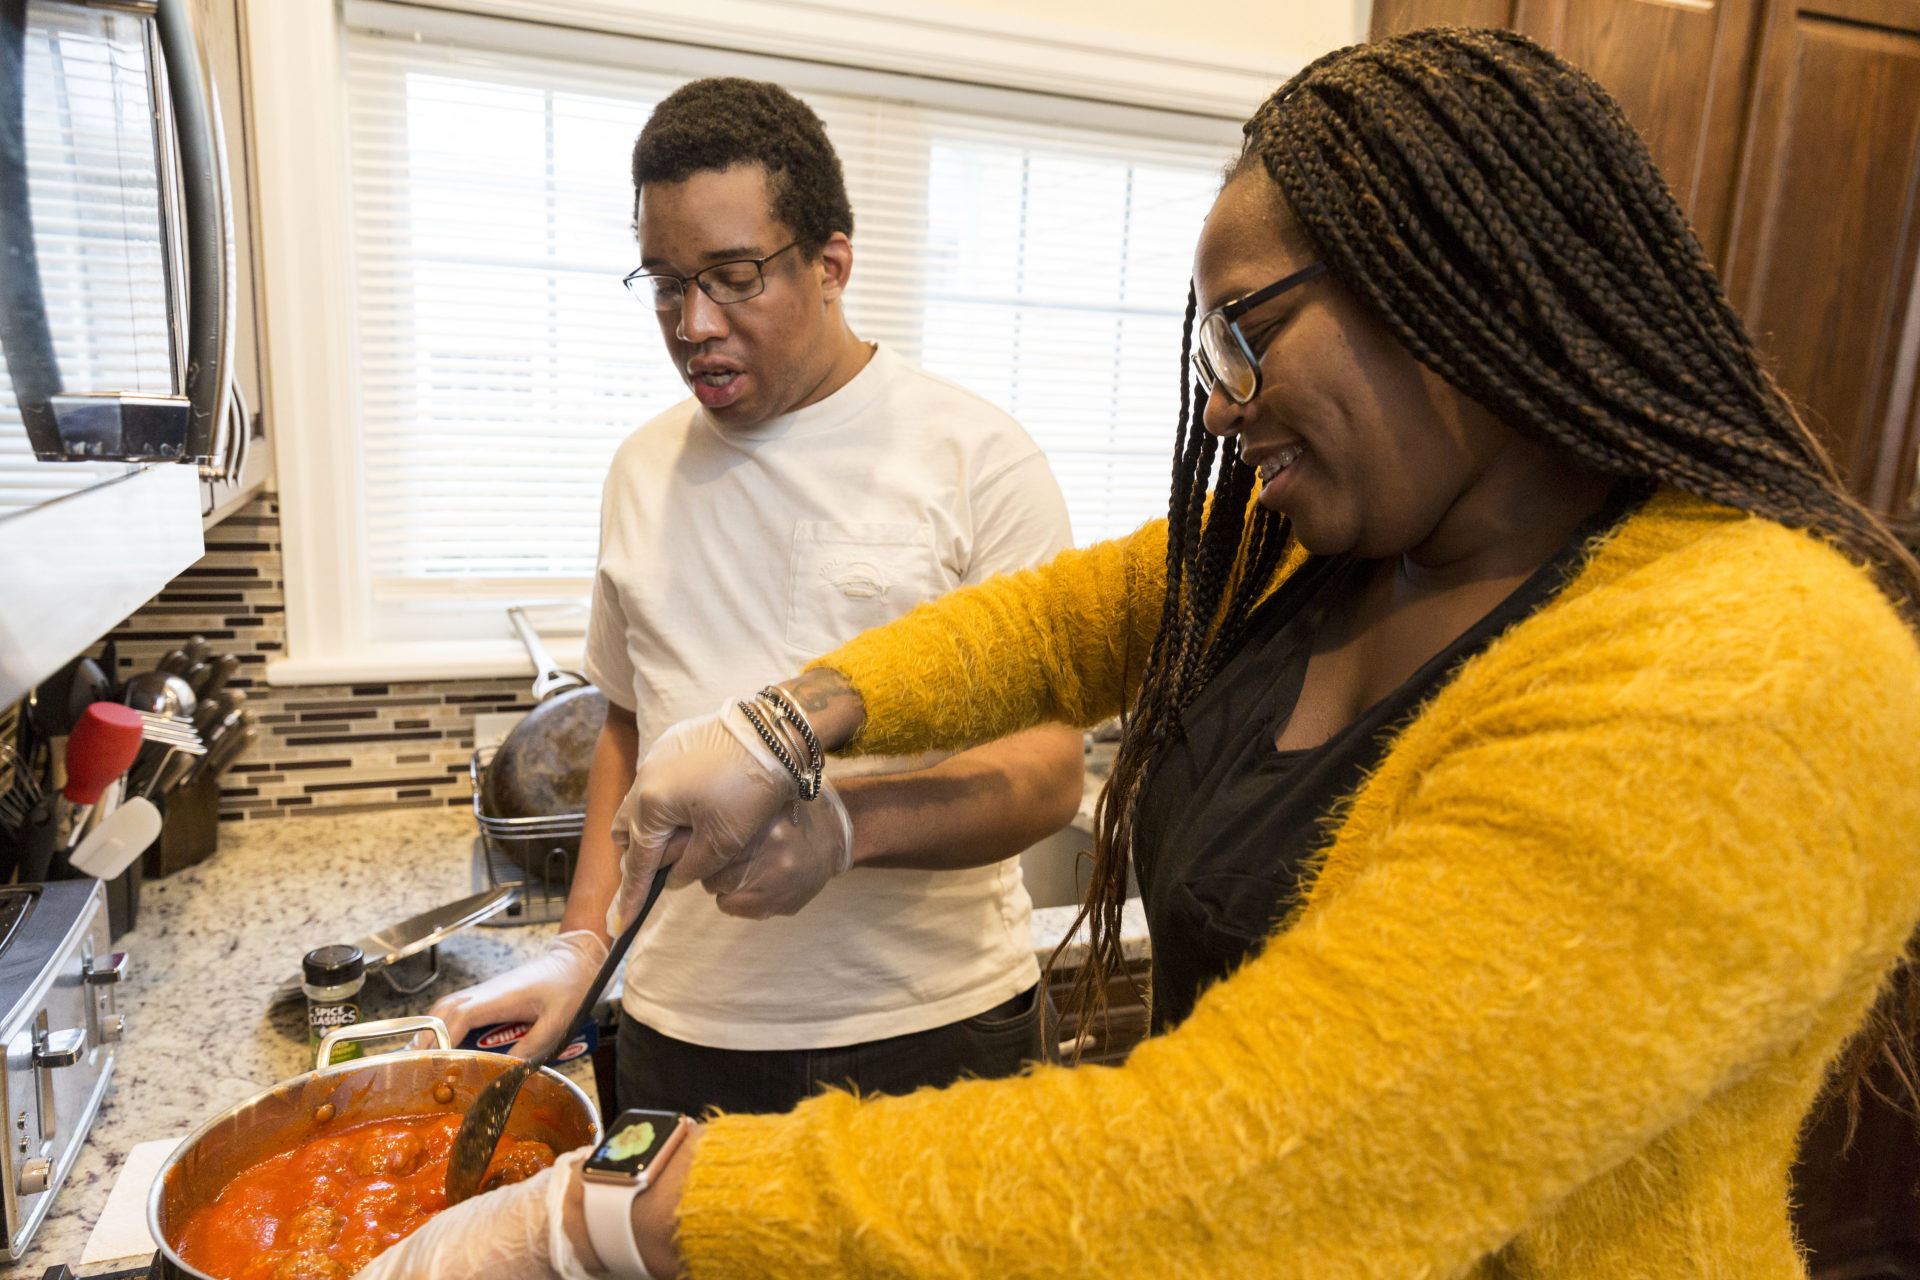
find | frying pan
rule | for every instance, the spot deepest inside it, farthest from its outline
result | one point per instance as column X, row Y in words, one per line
column 541, row 768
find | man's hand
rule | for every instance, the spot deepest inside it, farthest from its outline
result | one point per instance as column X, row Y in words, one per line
column 544, row 991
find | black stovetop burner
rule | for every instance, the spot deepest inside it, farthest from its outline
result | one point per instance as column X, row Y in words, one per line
column 148, row 1271
column 15, row 902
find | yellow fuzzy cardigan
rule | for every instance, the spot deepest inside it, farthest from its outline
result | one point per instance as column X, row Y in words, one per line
column 1569, row 978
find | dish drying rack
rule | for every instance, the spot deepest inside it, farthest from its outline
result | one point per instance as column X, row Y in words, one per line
column 506, row 847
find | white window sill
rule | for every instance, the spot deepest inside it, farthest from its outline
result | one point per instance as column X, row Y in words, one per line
column 429, row 663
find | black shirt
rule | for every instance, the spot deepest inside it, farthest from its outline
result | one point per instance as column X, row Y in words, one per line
column 1228, row 825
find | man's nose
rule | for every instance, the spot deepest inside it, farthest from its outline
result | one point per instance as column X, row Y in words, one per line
column 701, row 318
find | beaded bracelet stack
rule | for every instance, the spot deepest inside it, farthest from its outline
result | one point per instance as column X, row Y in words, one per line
column 781, row 725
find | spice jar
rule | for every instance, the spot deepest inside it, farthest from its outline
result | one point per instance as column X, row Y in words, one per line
column 332, row 978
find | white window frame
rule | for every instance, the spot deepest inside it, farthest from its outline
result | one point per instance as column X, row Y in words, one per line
column 956, row 58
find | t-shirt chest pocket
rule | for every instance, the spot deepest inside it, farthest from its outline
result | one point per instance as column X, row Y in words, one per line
column 849, row 577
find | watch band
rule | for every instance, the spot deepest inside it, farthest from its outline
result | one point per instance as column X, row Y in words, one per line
column 609, row 1211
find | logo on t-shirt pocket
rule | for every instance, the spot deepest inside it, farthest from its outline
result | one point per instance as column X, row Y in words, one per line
column 848, row 577
column 858, row 577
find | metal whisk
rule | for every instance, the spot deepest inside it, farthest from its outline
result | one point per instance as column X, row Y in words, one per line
column 18, row 800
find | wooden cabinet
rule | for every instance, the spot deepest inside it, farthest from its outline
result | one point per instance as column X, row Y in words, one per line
column 1390, row 17
column 1822, row 256
column 1790, row 131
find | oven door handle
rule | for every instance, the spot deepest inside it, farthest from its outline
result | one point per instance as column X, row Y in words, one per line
column 51, row 1051
column 60, row 1048
column 209, row 225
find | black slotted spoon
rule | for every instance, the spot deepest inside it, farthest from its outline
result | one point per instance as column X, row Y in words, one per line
column 486, row 1119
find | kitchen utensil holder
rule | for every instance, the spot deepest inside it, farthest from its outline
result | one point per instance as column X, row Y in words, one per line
column 191, row 833
column 508, row 847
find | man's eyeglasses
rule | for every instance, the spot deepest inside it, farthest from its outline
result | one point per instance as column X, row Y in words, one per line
column 725, row 282
column 1223, row 357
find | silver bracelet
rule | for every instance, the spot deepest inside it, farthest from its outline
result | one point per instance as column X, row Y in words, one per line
column 809, row 778
column 790, row 712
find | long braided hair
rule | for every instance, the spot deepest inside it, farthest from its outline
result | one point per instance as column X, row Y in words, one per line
column 1491, row 205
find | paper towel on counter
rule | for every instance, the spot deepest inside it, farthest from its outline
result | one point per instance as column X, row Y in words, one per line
column 121, row 1231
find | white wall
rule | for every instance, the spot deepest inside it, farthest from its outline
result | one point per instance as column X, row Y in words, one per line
column 1287, row 31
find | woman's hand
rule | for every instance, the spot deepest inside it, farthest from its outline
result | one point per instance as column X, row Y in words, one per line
column 790, row 862
column 710, row 779
column 713, row 781
column 529, row 1230
column 656, row 1212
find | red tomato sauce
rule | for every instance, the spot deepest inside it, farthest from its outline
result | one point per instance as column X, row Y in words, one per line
column 323, row 1210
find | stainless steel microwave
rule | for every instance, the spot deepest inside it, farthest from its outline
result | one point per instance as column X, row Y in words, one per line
column 116, row 316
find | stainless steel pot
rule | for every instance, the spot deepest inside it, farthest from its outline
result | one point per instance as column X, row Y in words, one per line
column 551, row 1109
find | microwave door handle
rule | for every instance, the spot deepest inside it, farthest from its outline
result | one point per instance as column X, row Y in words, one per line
column 209, row 222
column 242, row 419
column 24, row 331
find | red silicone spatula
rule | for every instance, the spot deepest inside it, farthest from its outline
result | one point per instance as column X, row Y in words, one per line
column 99, row 750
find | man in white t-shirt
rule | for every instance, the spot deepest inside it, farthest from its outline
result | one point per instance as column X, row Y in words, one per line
column 814, row 486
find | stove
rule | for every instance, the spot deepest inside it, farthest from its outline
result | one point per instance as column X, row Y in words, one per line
column 60, row 1027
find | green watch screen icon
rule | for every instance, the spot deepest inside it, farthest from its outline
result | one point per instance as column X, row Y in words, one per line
column 635, row 1140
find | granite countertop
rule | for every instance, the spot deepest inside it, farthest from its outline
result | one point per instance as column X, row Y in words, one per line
column 212, row 943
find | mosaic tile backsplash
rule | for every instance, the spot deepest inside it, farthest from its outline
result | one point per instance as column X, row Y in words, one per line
column 322, row 748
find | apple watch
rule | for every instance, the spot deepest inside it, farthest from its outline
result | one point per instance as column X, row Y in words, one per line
column 637, row 1146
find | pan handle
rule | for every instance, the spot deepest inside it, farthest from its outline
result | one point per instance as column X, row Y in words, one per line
column 382, row 1029
column 548, row 677
column 543, row 663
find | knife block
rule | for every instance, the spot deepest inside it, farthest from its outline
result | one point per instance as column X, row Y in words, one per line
column 190, row 834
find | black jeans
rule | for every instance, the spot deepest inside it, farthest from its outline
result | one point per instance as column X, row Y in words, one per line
column 663, row 1074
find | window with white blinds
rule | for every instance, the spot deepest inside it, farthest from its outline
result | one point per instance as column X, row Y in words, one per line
column 500, row 361
column 94, row 191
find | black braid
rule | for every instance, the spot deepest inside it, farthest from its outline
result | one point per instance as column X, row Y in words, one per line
column 1491, row 205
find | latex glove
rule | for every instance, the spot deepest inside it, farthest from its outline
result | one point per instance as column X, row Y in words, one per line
column 788, row 863
column 711, row 776
column 544, row 991
column 522, row 1231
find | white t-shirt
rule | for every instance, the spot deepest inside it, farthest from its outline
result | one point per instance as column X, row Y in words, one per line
column 728, row 559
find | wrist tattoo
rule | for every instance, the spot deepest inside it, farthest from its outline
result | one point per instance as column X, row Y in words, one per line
column 832, row 702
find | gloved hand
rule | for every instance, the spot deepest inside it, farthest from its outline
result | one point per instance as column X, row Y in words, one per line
column 544, row 991
column 789, row 862
column 522, row 1231
column 711, row 776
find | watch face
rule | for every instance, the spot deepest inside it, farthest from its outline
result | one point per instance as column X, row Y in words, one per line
column 633, row 1142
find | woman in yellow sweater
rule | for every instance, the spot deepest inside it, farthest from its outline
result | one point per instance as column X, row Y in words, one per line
column 1516, row 773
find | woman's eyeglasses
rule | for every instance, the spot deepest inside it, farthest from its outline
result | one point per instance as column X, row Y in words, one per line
column 725, row 282
column 1223, row 358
